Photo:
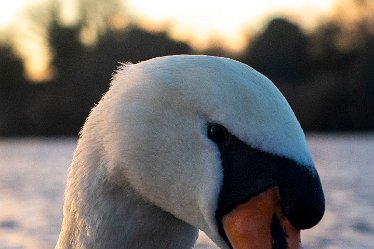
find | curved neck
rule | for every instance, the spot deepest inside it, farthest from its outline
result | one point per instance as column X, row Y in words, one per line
column 109, row 216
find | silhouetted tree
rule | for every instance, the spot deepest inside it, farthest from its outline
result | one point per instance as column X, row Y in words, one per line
column 83, row 73
column 12, row 83
column 135, row 44
column 280, row 52
column 329, row 85
column 11, row 69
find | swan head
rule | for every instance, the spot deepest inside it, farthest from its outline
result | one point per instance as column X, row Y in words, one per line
column 200, row 137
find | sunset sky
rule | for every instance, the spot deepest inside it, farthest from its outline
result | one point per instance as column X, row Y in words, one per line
column 196, row 20
column 201, row 23
column 218, row 19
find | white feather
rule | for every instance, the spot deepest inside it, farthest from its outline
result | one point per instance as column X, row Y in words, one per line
column 144, row 160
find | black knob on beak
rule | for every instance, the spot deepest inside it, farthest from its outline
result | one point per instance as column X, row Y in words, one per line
column 249, row 172
column 302, row 198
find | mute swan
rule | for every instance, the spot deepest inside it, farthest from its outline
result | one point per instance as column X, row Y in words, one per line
column 182, row 143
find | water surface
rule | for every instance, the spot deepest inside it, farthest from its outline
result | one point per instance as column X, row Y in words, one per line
column 33, row 175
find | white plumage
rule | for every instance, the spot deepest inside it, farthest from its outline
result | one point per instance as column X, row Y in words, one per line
column 144, row 174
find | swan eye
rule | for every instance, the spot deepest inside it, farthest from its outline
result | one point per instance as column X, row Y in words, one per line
column 217, row 133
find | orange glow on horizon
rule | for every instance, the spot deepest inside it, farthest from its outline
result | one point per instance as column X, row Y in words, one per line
column 202, row 24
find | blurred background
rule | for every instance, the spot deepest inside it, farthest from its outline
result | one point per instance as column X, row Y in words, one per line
column 57, row 58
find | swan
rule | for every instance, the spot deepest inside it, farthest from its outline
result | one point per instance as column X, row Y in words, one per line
column 188, row 142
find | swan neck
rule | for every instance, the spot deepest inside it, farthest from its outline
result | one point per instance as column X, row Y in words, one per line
column 107, row 215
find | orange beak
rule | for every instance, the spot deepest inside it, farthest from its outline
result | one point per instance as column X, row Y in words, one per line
column 260, row 224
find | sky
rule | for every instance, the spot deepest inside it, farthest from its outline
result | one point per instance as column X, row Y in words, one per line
column 193, row 11
column 10, row 9
column 201, row 23
column 218, row 19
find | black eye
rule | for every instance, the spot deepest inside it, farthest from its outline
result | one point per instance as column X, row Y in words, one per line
column 217, row 133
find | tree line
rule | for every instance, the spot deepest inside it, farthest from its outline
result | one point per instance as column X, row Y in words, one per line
column 330, row 88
